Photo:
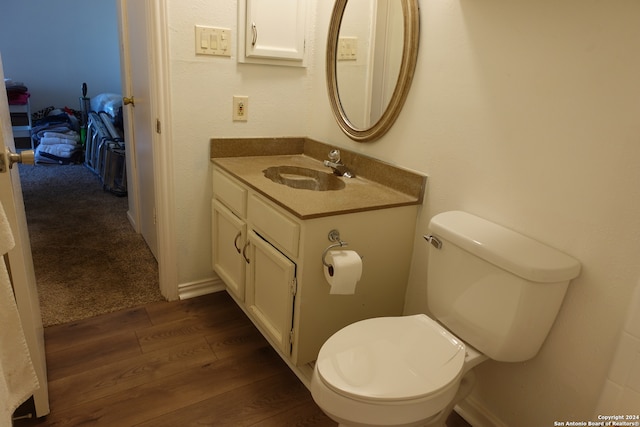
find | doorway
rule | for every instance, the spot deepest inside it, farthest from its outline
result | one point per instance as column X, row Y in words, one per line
column 89, row 52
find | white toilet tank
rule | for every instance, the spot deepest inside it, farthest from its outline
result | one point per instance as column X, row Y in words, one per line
column 494, row 288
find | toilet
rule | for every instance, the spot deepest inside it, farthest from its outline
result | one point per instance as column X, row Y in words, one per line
column 492, row 294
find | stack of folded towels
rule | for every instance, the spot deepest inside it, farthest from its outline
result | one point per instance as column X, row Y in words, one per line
column 54, row 145
column 57, row 138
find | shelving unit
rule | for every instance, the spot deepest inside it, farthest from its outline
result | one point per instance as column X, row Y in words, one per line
column 23, row 129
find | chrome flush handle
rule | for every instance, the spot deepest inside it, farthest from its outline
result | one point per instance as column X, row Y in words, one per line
column 437, row 243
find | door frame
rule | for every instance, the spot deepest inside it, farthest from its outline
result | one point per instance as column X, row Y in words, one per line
column 162, row 146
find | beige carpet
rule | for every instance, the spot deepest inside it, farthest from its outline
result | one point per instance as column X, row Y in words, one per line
column 88, row 259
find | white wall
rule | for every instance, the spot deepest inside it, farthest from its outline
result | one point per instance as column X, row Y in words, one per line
column 621, row 393
column 522, row 112
column 202, row 88
column 55, row 46
column 525, row 113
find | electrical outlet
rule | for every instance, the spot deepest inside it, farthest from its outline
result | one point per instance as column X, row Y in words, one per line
column 240, row 108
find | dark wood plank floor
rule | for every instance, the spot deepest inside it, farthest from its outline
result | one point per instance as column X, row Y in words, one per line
column 184, row 363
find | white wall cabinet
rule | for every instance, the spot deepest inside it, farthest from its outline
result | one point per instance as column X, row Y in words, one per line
column 284, row 291
column 272, row 32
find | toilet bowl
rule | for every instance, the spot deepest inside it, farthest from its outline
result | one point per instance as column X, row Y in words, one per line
column 496, row 290
column 400, row 371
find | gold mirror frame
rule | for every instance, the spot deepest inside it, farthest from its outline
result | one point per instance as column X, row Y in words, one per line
column 411, row 14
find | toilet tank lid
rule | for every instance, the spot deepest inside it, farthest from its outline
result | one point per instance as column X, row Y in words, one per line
column 505, row 248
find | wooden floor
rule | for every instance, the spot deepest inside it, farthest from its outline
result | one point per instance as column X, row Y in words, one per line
column 184, row 363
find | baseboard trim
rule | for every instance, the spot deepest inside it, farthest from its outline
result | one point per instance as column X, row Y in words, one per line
column 200, row 287
column 132, row 221
column 476, row 414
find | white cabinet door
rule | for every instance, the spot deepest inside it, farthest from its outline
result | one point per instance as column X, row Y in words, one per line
column 229, row 235
column 273, row 30
column 270, row 291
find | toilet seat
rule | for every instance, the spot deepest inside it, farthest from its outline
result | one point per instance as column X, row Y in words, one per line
column 391, row 359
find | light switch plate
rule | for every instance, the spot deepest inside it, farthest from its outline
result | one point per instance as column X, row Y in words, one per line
column 347, row 49
column 213, row 41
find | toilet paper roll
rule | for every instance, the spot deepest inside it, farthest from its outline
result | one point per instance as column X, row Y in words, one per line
column 344, row 272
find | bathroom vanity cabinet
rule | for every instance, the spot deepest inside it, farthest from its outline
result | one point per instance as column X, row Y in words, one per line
column 271, row 262
column 257, row 272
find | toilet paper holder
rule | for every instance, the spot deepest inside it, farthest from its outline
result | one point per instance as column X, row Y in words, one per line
column 334, row 236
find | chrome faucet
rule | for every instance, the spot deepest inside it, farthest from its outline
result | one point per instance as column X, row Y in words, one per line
column 336, row 164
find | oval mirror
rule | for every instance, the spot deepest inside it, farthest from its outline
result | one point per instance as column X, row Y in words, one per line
column 370, row 63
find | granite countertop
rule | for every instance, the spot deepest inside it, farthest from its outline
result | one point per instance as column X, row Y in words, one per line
column 359, row 194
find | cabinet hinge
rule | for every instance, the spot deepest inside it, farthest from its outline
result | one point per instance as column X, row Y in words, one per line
column 294, row 286
column 291, row 337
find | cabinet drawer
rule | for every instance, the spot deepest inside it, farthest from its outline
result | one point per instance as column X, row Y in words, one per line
column 230, row 192
column 274, row 225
